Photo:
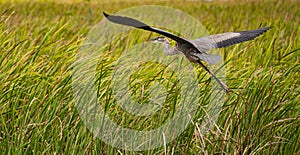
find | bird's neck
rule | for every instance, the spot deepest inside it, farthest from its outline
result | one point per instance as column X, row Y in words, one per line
column 166, row 44
column 167, row 41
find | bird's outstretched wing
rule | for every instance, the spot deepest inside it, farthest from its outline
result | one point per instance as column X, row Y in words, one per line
column 227, row 39
column 211, row 59
column 138, row 24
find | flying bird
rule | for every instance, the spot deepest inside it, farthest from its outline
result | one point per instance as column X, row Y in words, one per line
column 194, row 50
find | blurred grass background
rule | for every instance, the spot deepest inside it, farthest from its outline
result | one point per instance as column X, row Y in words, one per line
column 39, row 40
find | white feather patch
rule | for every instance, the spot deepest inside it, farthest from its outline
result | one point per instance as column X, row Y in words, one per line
column 224, row 36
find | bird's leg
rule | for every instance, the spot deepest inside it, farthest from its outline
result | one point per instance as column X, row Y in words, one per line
column 224, row 86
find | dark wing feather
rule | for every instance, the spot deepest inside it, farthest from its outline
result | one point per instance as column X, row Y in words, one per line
column 137, row 24
column 126, row 21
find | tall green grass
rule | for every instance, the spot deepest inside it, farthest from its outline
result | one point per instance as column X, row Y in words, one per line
column 38, row 43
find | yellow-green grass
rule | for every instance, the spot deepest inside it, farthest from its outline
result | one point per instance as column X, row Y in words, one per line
column 39, row 41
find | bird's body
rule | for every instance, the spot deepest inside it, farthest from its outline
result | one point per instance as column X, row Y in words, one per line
column 194, row 50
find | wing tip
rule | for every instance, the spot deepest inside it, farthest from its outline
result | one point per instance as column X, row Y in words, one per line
column 265, row 27
column 269, row 27
column 105, row 14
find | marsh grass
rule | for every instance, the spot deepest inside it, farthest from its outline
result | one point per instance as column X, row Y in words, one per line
column 38, row 44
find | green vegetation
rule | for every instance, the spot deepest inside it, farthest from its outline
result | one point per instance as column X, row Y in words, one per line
column 39, row 41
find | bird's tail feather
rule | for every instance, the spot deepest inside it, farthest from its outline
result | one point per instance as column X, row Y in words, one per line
column 209, row 58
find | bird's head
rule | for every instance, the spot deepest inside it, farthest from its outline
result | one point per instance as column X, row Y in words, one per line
column 159, row 39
